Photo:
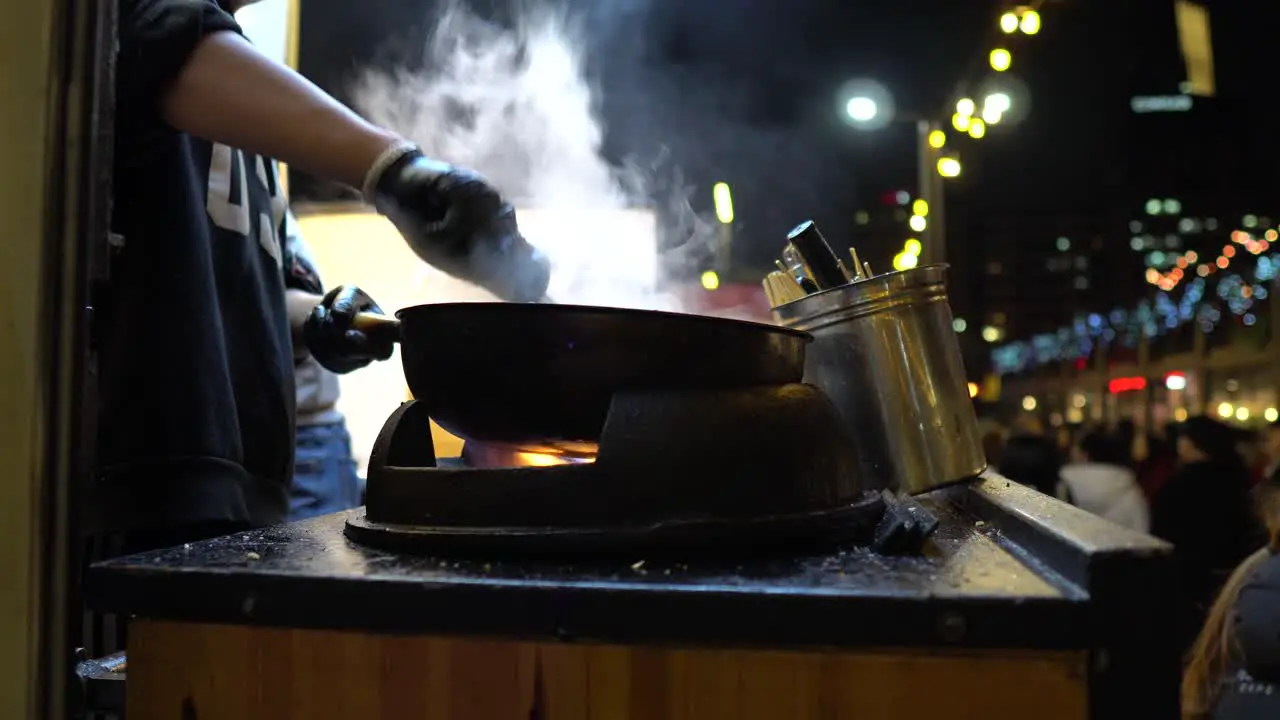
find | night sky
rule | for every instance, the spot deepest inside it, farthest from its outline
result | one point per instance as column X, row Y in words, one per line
column 746, row 91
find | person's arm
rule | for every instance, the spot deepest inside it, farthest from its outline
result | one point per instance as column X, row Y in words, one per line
column 300, row 303
column 321, row 322
column 185, row 63
column 228, row 92
column 303, row 288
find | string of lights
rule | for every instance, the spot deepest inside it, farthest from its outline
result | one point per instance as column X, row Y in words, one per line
column 971, row 117
column 1191, row 287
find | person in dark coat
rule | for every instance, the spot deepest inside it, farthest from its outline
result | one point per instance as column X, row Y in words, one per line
column 1233, row 670
column 1271, row 446
column 1157, row 465
column 1205, row 510
column 1032, row 460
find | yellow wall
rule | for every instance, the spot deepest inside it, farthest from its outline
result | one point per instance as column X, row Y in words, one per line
column 26, row 51
column 362, row 248
column 355, row 246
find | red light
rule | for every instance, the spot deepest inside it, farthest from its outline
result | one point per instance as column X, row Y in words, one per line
column 1223, row 263
column 1080, row 363
column 1229, row 251
column 1126, row 384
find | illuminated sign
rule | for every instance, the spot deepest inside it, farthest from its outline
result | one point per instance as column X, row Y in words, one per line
column 1126, row 384
column 1143, row 104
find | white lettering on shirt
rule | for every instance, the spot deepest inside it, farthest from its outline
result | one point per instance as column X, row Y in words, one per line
column 227, row 174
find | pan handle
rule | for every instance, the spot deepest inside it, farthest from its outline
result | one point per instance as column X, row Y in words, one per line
column 377, row 326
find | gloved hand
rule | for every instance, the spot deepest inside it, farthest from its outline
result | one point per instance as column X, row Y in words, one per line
column 332, row 338
column 457, row 222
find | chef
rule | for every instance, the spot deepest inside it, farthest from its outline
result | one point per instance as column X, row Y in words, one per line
column 196, row 336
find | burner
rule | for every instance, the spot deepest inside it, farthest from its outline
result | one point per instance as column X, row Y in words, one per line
column 738, row 470
column 500, row 455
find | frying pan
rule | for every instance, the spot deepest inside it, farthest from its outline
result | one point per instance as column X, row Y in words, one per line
column 542, row 376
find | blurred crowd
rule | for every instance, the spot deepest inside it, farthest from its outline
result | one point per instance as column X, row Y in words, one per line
column 1209, row 489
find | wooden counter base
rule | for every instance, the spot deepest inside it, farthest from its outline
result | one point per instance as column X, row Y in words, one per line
column 192, row 671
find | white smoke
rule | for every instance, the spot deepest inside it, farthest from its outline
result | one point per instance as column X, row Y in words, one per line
column 516, row 105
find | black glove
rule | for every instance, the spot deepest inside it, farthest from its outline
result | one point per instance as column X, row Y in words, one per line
column 332, row 338
column 456, row 221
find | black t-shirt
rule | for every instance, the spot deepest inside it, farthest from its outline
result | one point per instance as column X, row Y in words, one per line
column 197, row 395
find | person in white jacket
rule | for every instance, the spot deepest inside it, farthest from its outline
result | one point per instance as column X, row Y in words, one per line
column 1098, row 479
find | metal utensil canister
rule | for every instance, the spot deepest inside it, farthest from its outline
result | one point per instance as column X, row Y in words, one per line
column 885, row 353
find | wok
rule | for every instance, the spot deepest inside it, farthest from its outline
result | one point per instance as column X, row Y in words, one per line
column 540, row 375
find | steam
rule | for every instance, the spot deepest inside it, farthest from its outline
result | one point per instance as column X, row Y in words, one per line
column 516, row 105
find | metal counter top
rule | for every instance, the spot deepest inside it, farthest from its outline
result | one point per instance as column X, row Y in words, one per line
column 1008, row 567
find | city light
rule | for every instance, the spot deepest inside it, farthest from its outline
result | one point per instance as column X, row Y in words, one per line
column 977, row 129
column 1001, row 59
column 973, row 390
column 959, row 325
column 1226, row 410
column 1242, row 413
column 1028, row 403
column 998, row 100
column 710, row 280
column 994, row 106
column 917, row 223
column 861, row 109
column 1030, row 23
column 1009, row 23
column 912, row 246
column 990, row 334
column 960, row 122
column 920, row 207
column 1271, row 414
column 724, row 202
column 937, row 139
column 905, row 261
column 948, row 167
column 965, row 106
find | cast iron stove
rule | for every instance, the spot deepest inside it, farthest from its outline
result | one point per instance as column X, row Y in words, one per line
column 755, row 469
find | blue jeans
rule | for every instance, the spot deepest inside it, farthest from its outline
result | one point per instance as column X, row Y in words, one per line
column 324, row 473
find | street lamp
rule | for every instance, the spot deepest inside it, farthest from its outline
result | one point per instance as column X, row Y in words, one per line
column 1030, row 23
column 868, row 105
column 862, row 109
column 1001, row 59
column 994, row 106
